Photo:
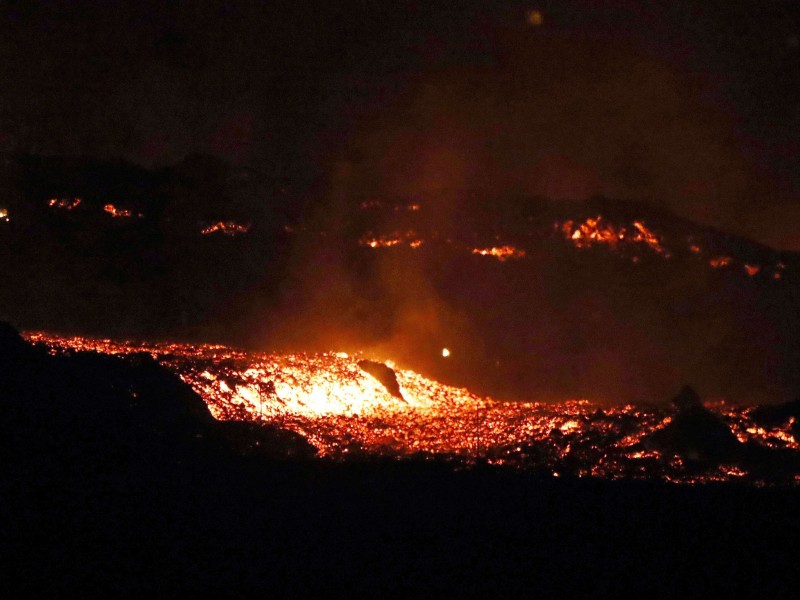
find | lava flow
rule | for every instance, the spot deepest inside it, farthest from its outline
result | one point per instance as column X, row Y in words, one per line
column 598, row 231
column 345, row 412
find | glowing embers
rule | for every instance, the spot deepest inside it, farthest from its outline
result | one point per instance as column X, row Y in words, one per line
column 779, row 268
column 407, row 238
column 378, row 205
column 752, row 270
column 4, row 215
column 117, row 212
column 64, row 203
column 501, row 253
column 719, row 262
column 597, row 231
column 229, row 228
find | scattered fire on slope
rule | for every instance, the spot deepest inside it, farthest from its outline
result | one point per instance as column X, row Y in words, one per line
column 597, row 230
column 377, row 204
column 501, row 253
column 407, row 238
column 64, row 203
column 752, row 270
column 230, row 228
column 627, row 240
column 412, row 240
column 117, row 212
column 345, row 412
column 720, row 261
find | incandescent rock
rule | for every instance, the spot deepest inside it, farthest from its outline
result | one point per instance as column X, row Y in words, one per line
column 383, row 374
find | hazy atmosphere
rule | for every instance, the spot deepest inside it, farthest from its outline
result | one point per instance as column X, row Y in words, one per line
column 681, row 104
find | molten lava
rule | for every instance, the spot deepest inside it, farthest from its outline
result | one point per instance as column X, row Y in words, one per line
column 229, row 228
column 720, row 261
column 407, row 238
column 752, row 270
column 117, row 212
column 599, row 231
column 630, row 240
column 501, row 253
column 344, row 411
column 64, row 203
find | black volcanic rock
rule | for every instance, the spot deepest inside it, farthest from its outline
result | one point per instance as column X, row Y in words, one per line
column 776, row 415
column 695, row 433
column 10, row 340
column 265, row 441
column 112, row 412
column 384, row 374
column 698, row 435
column 151, row 380
column 687, row 399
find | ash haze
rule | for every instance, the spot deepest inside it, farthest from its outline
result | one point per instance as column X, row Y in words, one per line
column 681, row 104
column 461, row 109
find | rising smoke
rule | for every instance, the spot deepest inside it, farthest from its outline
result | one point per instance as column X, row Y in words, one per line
column 563, row 120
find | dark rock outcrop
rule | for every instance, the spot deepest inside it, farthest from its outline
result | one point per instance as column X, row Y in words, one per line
column 265, row 441
column 701, row 437
column 687, row 399
column 384, row 374
column 112, row 412
column 695, row 433
column 779, row 415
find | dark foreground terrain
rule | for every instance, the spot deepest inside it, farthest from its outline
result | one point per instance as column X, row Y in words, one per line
column 117, row 481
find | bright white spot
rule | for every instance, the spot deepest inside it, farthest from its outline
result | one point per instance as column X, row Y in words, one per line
column 445, row 352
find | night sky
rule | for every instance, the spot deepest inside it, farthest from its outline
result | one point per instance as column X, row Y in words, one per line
column 691, row 105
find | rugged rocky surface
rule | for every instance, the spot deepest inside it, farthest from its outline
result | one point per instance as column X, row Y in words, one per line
column 107, row 491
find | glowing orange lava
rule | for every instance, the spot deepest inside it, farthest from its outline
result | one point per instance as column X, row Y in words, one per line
column 64, row 203
column 599, row 231
column 501, row 253
column 752, row 270
column 117, row 212
column 343, row 411
column 407, row 238
column 230, row 228
column 720, row 261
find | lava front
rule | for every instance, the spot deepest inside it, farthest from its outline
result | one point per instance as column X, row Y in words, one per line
column 346, row 413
